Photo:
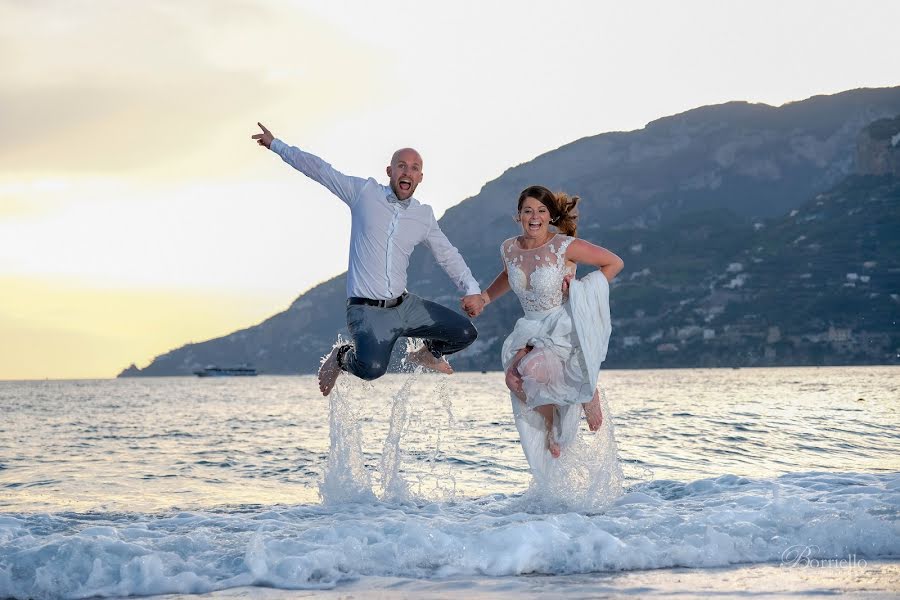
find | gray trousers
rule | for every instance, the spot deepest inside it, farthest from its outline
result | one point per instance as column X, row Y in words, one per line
column 375, row 331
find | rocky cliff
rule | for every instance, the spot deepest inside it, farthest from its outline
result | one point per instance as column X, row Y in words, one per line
column 879, row 148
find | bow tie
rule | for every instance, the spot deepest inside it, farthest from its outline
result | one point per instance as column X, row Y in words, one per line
column 393, row 199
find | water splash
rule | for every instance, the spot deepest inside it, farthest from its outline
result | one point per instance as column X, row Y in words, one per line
column 394, row 487
column 412, row 465
column 346, row 478
column 438, row 481
column 588, row 476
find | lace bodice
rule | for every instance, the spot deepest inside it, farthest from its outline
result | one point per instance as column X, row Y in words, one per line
column 536, row 275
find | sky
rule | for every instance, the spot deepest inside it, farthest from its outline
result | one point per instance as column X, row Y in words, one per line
column 136, row 214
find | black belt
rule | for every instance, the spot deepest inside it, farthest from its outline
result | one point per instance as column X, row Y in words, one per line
column 379, row 303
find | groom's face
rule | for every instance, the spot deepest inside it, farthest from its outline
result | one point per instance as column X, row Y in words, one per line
column 405, row 172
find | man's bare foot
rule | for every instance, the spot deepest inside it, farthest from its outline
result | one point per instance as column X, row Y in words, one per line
column 424, row 357
column 593, row 412
column 329, row 371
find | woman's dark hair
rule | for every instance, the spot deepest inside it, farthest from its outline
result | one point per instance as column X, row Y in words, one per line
column 542, row 195
column 559, row 205
column 567, row 224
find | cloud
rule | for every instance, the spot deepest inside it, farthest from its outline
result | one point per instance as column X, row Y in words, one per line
column 112, row 86
column 29, row 198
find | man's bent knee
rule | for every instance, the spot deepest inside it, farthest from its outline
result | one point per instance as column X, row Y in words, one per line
column 469, row 334
column 371, row 370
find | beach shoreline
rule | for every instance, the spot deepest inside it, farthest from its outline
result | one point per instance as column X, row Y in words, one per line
column 870, row 579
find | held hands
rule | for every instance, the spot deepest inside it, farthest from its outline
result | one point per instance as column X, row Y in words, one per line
column 565, row 283
column 473, row 304
column 265, row 138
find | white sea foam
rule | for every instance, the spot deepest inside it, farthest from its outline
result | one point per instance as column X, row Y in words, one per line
column 704, row 523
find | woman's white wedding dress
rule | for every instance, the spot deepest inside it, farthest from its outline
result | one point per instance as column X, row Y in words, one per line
column 569, row 337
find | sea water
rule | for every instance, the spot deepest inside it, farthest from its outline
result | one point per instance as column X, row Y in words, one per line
column 415, row 486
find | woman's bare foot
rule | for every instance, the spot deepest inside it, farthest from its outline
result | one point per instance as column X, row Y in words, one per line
column 553, row 444
column 549, row 413
column 329, row 371
column 424, row 357
column 593, row 412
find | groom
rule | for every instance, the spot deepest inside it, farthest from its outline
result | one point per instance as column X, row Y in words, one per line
column 387, row 223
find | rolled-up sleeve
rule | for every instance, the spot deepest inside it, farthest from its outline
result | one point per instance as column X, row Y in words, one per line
column 345, row 187
column 449, row 258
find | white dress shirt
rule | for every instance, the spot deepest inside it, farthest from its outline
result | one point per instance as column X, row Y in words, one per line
column 384, row 230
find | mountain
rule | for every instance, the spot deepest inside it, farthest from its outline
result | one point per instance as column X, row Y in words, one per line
column 817, row 286
column 752, row 235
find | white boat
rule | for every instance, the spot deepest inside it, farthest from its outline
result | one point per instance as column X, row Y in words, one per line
column 214, row 371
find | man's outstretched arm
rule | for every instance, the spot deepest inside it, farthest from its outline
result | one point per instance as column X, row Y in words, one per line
column 449, row 258
column 345, row 187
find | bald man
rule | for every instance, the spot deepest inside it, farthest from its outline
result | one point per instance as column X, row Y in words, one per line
column 387, row 223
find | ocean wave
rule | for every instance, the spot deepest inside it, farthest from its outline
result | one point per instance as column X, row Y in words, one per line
column 656, row 524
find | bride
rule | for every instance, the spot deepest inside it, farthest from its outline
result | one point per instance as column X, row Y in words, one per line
column 553, row 355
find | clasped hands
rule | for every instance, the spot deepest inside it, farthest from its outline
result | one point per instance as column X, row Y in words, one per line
column 473, row 304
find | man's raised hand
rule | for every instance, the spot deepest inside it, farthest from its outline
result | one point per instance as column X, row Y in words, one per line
column 265, row 138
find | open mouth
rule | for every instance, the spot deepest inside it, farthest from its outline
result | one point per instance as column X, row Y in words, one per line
column 534, row 225
column 405, row 184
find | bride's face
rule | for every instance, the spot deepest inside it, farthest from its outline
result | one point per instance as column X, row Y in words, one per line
column 534, row 218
